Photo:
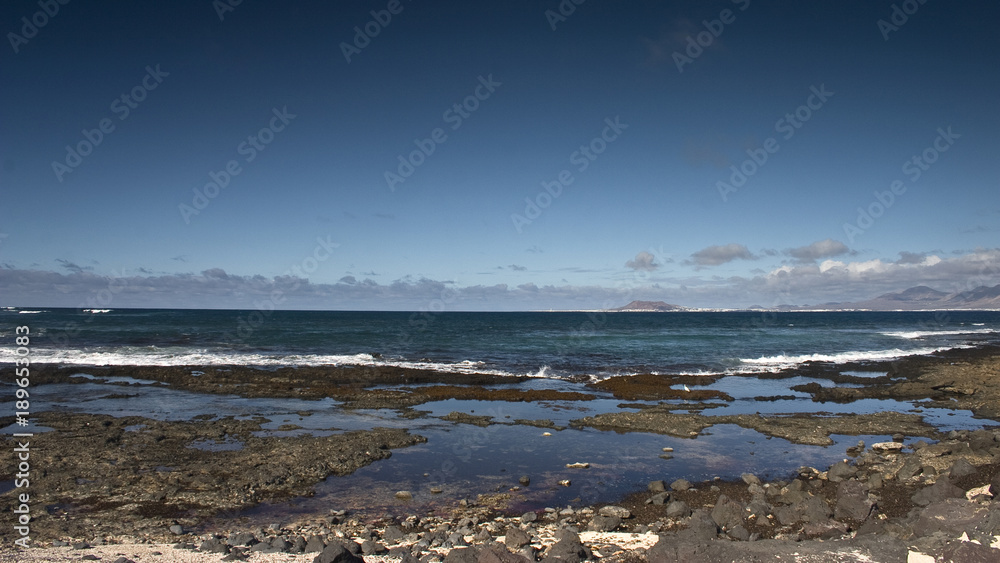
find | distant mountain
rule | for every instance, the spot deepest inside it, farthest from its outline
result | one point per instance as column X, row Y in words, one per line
column 923, row 297
column 647, row 306
column 919, row 294
column 912, row 299
column 981, row 297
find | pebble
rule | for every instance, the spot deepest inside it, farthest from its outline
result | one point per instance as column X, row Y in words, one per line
column 680, row 485
column 404, row 495
column 577, row 465
column 565, row 482
column 618, row 511
column 887, row 447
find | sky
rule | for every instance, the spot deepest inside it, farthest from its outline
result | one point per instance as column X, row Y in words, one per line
column 408, row 155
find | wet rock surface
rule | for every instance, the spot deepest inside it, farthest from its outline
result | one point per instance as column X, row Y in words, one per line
column 807, row 515
column 109, row 480
column 105, row 475
column 799, row 428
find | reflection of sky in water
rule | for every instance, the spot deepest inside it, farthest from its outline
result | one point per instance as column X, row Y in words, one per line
column 465, row 460
column 119, row 379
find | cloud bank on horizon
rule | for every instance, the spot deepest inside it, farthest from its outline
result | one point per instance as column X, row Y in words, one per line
column 798, row 284
column 545, row 155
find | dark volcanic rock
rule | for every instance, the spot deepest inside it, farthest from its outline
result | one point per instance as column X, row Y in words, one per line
column 739, row 533
column 497, row 553
column 611, row 510
column 812, row 509
column 680, row 485
column 840, row 471
column 337, row 553
column 567, row 534
column 700, row 527
column 392, row 534
column 911, row 467
column 516, row 538
column 968, row 552
column 658, row 498
column 214, row 545
column 369, row 547
column 678, row 509
column 568, row 550
column 315, row 544
column 462, row 555
column 937, row 492
column 826, row 529
column 952, row 516
column 995, row 484
column 727, row 513
column 852, row 501
column 265, row 547
column 242, row 539
column 604, row 523
column 961, row 468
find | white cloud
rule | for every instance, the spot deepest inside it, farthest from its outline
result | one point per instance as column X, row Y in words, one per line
column 854, row 281
column 717, row 255
column 820, row 249
column 831, row 280
column 643, row 261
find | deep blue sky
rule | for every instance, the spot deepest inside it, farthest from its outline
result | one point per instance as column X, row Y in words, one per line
column 645, row 219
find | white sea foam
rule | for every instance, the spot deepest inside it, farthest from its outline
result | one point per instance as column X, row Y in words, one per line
column 779, row 362
column 914, row 334
column 151, row 356
column 542, row 372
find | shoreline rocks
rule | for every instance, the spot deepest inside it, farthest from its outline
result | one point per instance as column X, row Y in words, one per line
column 865, row 506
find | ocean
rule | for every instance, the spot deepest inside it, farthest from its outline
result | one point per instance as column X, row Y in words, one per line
column 561, row 345
column 565, row 350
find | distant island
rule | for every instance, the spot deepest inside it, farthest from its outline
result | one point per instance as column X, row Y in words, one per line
column 916, row 298
column 648, row 306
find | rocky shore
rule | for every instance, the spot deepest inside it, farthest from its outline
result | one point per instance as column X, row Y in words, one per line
column 885, row 502
column 106, row 485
